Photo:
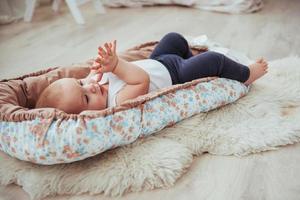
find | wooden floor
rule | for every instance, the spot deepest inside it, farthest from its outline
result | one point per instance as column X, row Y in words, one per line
column 52, row 40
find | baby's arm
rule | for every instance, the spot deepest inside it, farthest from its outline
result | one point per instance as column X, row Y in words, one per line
column 131, row 73
column 136, row 78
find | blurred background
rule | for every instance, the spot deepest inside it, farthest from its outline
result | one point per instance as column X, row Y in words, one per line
column 37, row 34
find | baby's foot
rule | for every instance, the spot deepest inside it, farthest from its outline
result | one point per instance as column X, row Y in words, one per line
column 257, row 70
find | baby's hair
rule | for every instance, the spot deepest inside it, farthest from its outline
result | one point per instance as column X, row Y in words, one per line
column 49, row 97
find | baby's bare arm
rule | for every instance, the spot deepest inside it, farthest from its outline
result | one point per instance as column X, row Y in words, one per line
column 131, row 73
column 137, row 80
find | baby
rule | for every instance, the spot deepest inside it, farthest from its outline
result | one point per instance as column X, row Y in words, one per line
column 113, row 80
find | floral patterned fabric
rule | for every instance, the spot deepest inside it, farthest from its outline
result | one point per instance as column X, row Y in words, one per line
column 51, row 141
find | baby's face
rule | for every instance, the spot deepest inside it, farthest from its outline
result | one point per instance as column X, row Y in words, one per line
column 75, row 97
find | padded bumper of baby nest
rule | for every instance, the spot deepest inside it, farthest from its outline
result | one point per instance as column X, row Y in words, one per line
column 63, row 138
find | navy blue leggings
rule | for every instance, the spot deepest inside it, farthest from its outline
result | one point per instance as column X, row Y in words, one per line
column 174, row 53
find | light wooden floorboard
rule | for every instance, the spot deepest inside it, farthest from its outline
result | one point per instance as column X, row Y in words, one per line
column 52, row 40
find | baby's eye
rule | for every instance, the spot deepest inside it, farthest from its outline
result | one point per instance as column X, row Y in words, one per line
column 80, row 82
column 86, row 98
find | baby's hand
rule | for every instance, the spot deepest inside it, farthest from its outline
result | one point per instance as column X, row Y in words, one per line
column 107, row 59
column 93, row 77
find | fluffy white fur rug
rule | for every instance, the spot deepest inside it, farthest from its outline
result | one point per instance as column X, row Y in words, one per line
column 266, row 118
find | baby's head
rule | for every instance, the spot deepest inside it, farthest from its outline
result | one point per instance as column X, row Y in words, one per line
column 69, row 95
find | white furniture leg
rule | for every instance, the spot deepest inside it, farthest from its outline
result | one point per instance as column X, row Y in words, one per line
column 30, row 6
column 98, row 6
column 72, row 4
column 55, row 5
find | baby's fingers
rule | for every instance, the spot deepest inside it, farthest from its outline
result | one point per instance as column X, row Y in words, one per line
column 101, row 52
column 95, row 67
column 98, row 60
column 97, row 77
column 108, row 49
column 101, row 61
column 115, row 46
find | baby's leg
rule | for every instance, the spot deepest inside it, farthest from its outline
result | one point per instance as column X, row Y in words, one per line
column 172, row 43
column 212, row 64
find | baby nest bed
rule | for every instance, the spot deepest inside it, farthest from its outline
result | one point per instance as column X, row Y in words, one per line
column 50, row 136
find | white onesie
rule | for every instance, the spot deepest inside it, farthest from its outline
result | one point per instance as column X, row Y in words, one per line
column 158, row 73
